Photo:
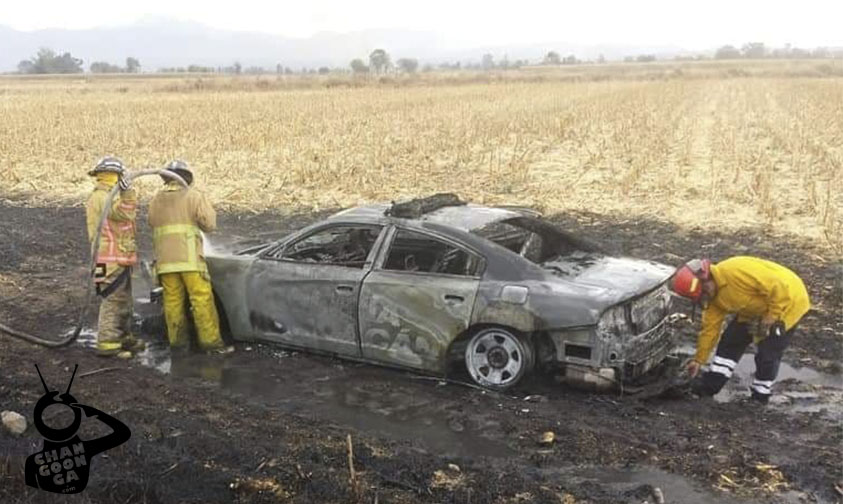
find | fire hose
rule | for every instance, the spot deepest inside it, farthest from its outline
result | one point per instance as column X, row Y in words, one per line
column 70, row 338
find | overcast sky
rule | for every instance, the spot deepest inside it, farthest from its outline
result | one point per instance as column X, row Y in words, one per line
column 697, row 24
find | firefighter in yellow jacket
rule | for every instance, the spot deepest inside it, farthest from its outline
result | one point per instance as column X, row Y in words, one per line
column 767, row 299
column 178, row 216
column 115, row 257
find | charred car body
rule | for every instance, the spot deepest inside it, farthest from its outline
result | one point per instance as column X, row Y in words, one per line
column 424, row 284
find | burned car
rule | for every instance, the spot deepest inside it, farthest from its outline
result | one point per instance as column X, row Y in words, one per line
column 424, row 284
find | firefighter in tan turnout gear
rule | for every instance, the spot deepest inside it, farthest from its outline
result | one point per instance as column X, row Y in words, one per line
column 767, row 300
column 116, row 255
column 177, row 216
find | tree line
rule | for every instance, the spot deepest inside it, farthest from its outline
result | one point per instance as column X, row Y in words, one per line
column 380, row 62
column 47, row 61
column 757, row 50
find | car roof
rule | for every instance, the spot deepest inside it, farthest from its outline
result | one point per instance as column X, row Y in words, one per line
column 462, row 217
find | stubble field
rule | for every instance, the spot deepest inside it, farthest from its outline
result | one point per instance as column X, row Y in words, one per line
column 652, row 161
column 718, row 153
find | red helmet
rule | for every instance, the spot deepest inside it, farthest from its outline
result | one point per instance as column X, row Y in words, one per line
column 688, row 279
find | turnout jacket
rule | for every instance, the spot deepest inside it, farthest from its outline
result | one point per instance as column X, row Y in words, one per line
column 117, row 242
column 177, row 216
column 751, row 288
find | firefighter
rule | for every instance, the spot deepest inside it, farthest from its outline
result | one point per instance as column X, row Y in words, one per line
column 767, row 301
column 116, row 255
column 178, row 216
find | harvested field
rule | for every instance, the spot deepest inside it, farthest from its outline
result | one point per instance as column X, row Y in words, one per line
column 716, row 152
column 662, row 162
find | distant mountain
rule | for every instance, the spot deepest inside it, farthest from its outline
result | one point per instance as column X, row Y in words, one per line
column 161, row 42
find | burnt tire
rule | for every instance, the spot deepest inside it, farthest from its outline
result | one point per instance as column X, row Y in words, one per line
column 498, row 358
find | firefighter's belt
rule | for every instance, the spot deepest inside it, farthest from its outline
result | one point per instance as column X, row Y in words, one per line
column 124, row 276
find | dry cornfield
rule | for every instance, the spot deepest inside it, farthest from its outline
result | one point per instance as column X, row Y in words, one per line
column 715, row 152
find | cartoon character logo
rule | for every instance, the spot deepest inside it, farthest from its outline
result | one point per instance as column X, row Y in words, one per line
column 64, row 463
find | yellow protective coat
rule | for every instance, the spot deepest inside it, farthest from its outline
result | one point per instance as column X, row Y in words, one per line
column 177, row 215
column 117, row 250
column 752, row 288
column 117, row 242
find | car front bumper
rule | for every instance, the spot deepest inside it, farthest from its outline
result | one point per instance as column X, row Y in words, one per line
column 604, row 362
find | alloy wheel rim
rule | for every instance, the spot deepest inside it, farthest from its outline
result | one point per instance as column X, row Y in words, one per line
column 495, row 358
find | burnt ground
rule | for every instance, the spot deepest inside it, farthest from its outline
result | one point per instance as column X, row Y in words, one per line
column 265, row 425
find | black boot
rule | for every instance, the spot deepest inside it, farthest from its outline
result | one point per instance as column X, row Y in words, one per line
column 762, row 399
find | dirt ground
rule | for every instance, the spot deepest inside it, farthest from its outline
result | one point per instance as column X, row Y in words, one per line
column 267, row 425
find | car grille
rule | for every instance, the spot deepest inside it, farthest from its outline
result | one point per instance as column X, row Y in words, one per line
column 653, row 338
column 649, row 310
column 644, row 351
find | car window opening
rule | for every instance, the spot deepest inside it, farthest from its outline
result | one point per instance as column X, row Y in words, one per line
column 421, row 253
column 341, row 245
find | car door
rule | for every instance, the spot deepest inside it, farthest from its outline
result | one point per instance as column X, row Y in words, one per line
column 417, row 299
column 305, row 293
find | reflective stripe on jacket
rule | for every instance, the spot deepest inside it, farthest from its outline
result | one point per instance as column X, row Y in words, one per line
column 177, row 216
column 751, row 288
column 117, row 242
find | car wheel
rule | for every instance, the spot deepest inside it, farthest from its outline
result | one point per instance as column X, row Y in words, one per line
column 496, row 358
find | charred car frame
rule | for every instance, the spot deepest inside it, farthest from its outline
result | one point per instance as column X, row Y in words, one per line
column 424, row 284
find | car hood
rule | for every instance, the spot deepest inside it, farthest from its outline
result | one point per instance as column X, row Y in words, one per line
column 237, row 246
column 618, row 278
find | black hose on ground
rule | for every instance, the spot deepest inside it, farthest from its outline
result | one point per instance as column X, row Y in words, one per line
column 70, row 338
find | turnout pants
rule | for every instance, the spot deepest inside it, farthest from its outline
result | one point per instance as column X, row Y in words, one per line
column 732, row 344
column 192, row 285
column 114, row 324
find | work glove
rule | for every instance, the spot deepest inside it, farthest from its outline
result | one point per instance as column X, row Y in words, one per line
column 765, row 325
column 776, row 331
column 124, row 183
column 777, row 336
